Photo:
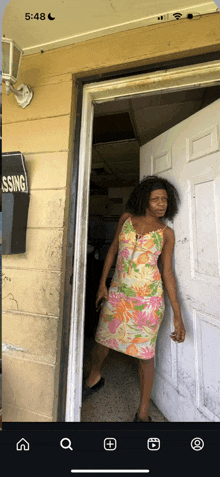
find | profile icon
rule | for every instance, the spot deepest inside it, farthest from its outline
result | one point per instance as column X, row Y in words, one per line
column 197, row 444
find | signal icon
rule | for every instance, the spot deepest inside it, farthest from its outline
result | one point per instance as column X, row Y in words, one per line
column 177, row 15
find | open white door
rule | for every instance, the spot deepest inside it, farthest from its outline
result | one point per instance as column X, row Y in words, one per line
column 187, row 375
column 187, row 384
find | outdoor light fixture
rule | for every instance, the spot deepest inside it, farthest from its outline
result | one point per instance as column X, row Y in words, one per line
column 11, row 60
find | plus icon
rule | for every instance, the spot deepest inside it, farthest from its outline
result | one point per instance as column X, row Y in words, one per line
column 110, row 443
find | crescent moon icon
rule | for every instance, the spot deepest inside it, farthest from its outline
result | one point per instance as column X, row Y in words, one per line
column 50, row 17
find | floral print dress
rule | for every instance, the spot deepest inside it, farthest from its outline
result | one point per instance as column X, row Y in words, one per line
column 130, row 319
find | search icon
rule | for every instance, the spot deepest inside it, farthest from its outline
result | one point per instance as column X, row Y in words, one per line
column 69, row 443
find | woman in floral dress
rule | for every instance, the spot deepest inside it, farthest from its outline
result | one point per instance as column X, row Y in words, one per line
column 134, row 304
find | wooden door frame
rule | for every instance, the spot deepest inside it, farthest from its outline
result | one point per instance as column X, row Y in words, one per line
column 156, row 79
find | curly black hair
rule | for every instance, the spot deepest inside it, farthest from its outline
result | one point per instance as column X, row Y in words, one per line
column 138, row 200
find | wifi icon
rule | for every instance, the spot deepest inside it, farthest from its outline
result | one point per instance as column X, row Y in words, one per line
column 177, row 15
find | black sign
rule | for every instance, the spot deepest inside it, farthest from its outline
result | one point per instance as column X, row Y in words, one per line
column 15, row 203
column 14, row 175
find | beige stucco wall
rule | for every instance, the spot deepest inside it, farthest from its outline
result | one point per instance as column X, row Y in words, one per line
column 33, row 283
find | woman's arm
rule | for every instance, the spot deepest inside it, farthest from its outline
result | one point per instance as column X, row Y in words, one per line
column 102, row 291
column 170, row 284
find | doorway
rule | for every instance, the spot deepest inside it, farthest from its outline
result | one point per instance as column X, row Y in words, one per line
column 168, row 104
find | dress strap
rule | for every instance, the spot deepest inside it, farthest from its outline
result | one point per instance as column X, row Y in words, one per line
column 164, row 227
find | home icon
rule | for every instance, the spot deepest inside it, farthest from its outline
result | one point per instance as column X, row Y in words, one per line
column 22, row 445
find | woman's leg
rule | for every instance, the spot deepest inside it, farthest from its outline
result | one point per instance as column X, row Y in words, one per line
column 99, row 354
column 146, row 370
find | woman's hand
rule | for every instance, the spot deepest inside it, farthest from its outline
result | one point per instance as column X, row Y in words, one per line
column 179, row 334
column 101, row 293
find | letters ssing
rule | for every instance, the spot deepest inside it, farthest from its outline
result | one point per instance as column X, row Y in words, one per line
column 13, row 183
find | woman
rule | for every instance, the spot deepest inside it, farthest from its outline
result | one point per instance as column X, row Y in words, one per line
column 134, row 306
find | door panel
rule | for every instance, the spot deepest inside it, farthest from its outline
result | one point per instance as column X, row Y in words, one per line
column 187, row 375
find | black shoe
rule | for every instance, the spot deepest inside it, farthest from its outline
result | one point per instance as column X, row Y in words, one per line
column 137, row 419
column 87, row 391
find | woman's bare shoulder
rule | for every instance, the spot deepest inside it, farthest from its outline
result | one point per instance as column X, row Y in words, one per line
column 169, row 234
column 125, row 216
column 168, row 229
column 122, row 220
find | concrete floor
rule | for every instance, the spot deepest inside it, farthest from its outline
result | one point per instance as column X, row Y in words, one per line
column 118, row 400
